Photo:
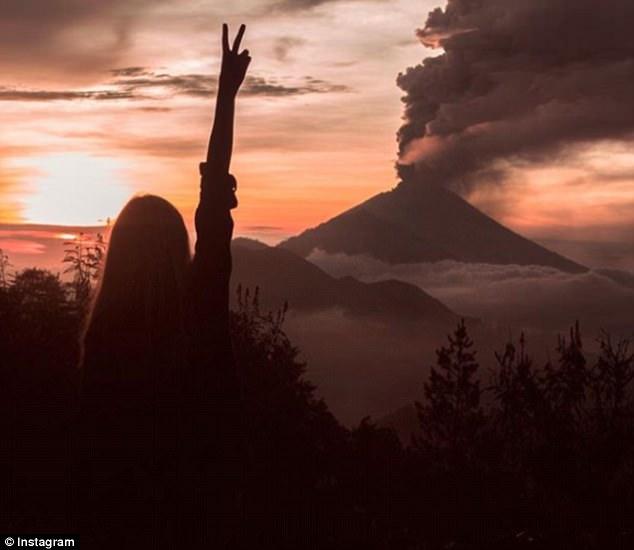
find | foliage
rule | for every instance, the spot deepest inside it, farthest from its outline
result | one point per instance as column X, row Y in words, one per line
column 521, row 408
column 4, row 269
column 539, row 457
column 84, row 256
column 451, row 417
column 553, row 445
column 610, row 378
column 292, row 437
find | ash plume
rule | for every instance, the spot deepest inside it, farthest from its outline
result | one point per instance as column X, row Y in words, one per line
column 518, row 81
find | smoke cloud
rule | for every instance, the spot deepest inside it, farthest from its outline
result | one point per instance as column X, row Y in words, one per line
column 518, row 80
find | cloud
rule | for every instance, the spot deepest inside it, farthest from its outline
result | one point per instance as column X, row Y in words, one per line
column 284, row 45
column 523, row 297
column 61, row 35
column 133, row 83
column 22, row 246
column 524, row 80
column 157, row 146
column 261, row 86
column 305, row 5
column 264, row 228
column 13, row 94
column 298, row 5
column 136, row 80
column 130, row 72
column 42, row 246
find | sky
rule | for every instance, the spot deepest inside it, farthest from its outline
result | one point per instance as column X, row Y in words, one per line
column 102, row 100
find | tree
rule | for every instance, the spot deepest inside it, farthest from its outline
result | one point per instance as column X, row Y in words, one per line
column 566, row 385
column 5, row 310
column 520, row 406
column 84, row 256
column 295, row 442
column 42, row 324
column 38, row 381
column 37, row 293
column 610, row 379
column 376, row 484
column 4, row 270
column 451, row 417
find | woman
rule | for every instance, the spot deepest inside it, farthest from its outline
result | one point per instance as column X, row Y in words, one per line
column 160, row 395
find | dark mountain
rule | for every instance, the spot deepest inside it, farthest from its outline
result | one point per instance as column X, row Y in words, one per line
column 424, row 223
column 282, row 276
column 367, row 345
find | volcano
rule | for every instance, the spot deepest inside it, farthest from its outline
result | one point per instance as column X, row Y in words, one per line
column 418, row 222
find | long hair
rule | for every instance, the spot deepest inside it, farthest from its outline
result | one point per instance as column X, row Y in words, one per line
column 138, row 309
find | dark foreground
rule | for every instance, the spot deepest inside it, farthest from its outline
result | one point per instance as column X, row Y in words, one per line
column 525, row 457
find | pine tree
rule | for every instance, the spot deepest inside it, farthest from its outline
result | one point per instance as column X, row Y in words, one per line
column 451, row 417
column 520, row 406
column 610, row 379
column 566, row 384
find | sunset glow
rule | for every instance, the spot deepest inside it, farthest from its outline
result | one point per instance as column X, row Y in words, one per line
column 96, row 119
column 74, row 189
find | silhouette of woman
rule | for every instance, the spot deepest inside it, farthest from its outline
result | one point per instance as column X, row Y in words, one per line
column 159, row 407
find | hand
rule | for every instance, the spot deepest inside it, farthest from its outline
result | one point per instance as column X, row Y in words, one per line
column 234, row 64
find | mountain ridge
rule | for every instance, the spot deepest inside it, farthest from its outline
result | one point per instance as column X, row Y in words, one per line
column 283, row 276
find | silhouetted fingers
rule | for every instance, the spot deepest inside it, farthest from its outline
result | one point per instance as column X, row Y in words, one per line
column 225, row 37
column 238, row 40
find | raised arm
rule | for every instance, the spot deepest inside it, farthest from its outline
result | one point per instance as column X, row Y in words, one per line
column 232, row 73
column 212, row 260
column 215, row 396
column 214, row 226
column 211, row 266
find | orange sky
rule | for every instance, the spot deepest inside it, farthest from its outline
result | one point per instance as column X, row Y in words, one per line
column 315, row 126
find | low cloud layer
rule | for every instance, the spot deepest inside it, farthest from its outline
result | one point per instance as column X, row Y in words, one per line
column 518, row 80
column 520, row 297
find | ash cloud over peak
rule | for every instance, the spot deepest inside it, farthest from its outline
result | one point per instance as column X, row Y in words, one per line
column 517, row 80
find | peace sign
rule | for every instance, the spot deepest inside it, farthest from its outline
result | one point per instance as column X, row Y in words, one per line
column 234, row 62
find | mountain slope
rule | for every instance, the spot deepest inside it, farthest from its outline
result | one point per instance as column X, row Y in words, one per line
column 367, row 345
column 424, row 223
column 283, row 276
